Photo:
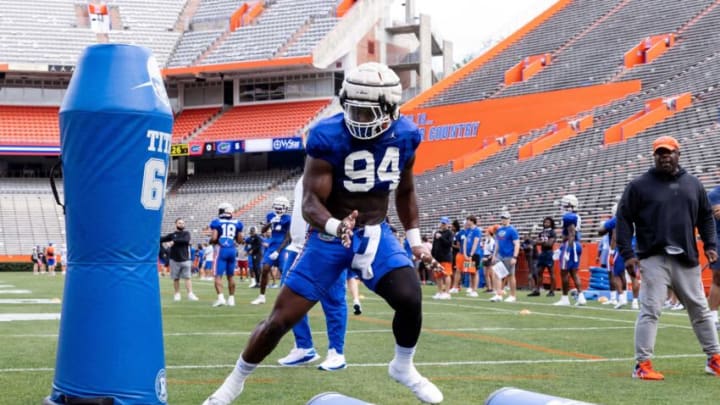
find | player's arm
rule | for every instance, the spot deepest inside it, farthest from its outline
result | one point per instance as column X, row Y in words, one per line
column 407, row 210
column 317, row 185
column 214, row 237
column 265, row 228
column 166, row 238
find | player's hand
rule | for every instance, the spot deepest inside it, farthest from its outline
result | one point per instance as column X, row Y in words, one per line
column 346, row 228
column 631, row 264
column 711, row 255
column 513, row 261
column 274, row 255
column 423, row 253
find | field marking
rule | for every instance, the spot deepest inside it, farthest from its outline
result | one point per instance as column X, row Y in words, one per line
column 6, row 286
column 15, row 292
column 420, row 364
column 349, row 332
column 551, row 314
column 29, row 317
column 30, row 301
column 491, row 339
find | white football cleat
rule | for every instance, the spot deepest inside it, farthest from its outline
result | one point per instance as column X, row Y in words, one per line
column 231, row 301
column 511, row 298
column 298, row 357
column 581, row 300
column 192, row 297
column 177, row 297
column 635, row 304
column 423, row 389
column 219, row 302
column 564, row 302
column 259, row 300
column 333, row 361
column 496, row 298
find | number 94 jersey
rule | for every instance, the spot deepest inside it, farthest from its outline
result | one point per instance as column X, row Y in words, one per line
column 364, row 165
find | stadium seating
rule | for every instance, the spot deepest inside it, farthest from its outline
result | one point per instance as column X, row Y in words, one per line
column 213, row 10
column 53, row 36
column 191, row 119
column 251, row 193
column 191, row 46
column 557, row 30
column 273, row 29
column 23, row 125
column 29, row 215
column 263, row 120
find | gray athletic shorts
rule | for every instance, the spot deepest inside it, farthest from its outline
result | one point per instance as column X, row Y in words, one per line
column 180, row 270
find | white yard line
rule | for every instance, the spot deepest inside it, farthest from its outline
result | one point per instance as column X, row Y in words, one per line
column 29, row 317
column 421, row 364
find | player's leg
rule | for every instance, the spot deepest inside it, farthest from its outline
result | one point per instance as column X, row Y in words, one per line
column 303, row 351
column 714, row 297
column 687, row 283
column 578, row 286
column 512, row 280
column 318, row 267
column 265, row 274
column 288, row 309
column 565, row 278
column 175, row 275
column 220, row 266
column 635, row 283
column 186, row 274
column 402, row 292
column 335, row 308
column 353, row 284
column 656, row 279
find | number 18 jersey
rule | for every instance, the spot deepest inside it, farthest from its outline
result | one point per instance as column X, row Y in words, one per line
column 226, row 228
column 361, row 166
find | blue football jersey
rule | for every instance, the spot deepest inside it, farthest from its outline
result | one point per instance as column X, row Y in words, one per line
column 570, row 218
column 279, row 228
column 226, row 228
column 361, row 166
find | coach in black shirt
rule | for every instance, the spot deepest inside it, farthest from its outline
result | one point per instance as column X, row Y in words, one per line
column 663, row 207
column 180, row 263
column 442, row 252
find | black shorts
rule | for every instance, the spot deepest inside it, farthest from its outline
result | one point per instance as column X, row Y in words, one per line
column 544, row 259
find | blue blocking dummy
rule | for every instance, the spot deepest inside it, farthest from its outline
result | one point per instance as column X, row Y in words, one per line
column 116, row 126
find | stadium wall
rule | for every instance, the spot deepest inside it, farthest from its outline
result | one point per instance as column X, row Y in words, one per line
column 452, row 131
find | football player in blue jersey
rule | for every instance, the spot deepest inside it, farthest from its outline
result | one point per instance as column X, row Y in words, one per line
column 355, row 160
column 278, row 223
column 226, row 231
column 618, row 268
column 333, row 304
column 570, row 250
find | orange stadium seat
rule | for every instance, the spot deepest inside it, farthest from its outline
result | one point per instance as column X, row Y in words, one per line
column 190, row 119
column 264, row 120
column 24, row 125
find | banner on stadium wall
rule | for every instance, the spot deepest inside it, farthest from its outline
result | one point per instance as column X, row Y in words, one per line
column 285, row 144
column 451, row 131
column 180, row 149
column 228, row 147
column 29, row 150
column 195, row 148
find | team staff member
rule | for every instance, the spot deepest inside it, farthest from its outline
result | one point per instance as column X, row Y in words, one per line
column 180, row 263
column 664, row 206
column 442, row 252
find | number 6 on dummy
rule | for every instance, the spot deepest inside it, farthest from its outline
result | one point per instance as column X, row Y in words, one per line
column 116, row 126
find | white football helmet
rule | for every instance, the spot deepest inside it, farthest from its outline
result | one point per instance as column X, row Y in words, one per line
column 569, row 203
column 370, row 97
column 225, row 209
column 281, row 205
